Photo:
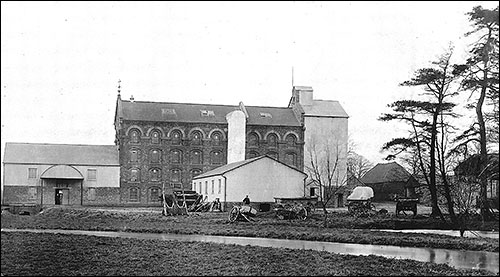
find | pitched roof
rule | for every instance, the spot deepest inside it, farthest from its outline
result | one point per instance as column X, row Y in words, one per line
column 328, row 108
column 70, row 154
column 204, row 113
column 228, row 167
column 389, row 172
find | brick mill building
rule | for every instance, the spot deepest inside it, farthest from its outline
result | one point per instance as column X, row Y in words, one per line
column 163, row 143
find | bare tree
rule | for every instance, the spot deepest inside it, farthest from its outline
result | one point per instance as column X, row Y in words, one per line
column 357, row 164
column 327, row 169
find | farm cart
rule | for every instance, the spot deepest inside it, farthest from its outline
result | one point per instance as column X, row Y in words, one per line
column 406, row 204
column 359, row 202
column 290, row 211
column 242, row 213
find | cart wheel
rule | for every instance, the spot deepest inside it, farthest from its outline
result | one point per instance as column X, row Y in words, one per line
column 233, row 214
column 302, row 214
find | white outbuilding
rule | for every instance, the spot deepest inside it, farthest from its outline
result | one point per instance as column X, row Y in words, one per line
column 261, row 178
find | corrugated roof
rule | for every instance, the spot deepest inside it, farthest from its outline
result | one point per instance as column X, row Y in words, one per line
column 228, row 167
column 389, row 172
column 192, row 113
column 325, row 108
column 71, row 154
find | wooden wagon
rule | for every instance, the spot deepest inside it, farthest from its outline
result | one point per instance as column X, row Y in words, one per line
column 406, row 204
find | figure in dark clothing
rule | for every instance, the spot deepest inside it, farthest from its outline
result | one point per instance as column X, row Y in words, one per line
column 246, row 200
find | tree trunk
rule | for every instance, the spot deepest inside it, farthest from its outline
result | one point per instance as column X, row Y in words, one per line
column 483, row 198
column 432, row 170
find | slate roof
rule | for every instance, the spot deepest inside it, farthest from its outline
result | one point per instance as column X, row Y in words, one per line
column 191, row 113
column 383, row 173
column 69, row 154
column 328, row 108
column 228, row 167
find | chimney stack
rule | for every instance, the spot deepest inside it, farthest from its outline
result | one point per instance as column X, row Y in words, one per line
column 236, row 136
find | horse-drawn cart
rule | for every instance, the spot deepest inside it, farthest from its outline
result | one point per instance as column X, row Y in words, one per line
column 359, row 202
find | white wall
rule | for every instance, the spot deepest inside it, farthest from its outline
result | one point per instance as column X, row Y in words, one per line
column 263, row 180
column 323, row 137
column 17, row 175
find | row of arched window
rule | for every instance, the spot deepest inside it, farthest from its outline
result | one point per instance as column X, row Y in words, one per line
column 216, row 137
column 272, row 140
column 176, row 137
column 176, row 156
column 155, row 174
column 153, row 196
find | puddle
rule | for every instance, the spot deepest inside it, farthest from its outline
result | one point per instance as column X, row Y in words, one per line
column 455, row 258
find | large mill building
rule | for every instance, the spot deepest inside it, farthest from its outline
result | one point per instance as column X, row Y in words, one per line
column 162, row 143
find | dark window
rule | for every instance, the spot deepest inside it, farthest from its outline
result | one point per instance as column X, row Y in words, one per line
column 196, row 157
column 291, row 140
column 155, row 137
column 155, row 174
column 155, row 156
column 134, row 136
column 154, row 194
column 196, row 138
column 252, row 154
column 134, row 175
column 216, row 138
column 273, row 155
column 253, row 139
column 195, row 172
column 31, row 173
column 291, row 159
column 312, row 191
column 176, row 137
column 91, row 194
column 91, row 174
column 175, row 156
column 216, row 157
column 176, row 175
column 272, row 140
column 213, row 186
column 134, row 155
column 133, row 195
column 220, row 185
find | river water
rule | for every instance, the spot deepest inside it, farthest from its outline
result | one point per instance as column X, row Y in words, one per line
column 454, row 258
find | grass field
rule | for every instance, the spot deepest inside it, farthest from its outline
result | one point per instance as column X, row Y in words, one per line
column 69, row 255
column 342, row 227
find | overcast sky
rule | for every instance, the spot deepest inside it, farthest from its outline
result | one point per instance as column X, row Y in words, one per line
column 61, row 61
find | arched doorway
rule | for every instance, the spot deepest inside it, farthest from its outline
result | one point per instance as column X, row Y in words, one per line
column 62, row 185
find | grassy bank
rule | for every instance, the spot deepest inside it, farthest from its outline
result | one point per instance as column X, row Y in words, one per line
column 69, row 255
column 341, row 229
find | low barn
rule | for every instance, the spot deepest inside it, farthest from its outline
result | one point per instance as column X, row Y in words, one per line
column 261, row 178
column 390, row 180
column 61, row 174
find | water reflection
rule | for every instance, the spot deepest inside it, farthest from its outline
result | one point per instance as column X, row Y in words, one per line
column 469, row 234
column 454, row 258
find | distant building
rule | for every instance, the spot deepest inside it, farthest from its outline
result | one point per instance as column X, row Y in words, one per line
column 390, row 180
column 470, row 171
column 261, row 178
column 60, row 174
